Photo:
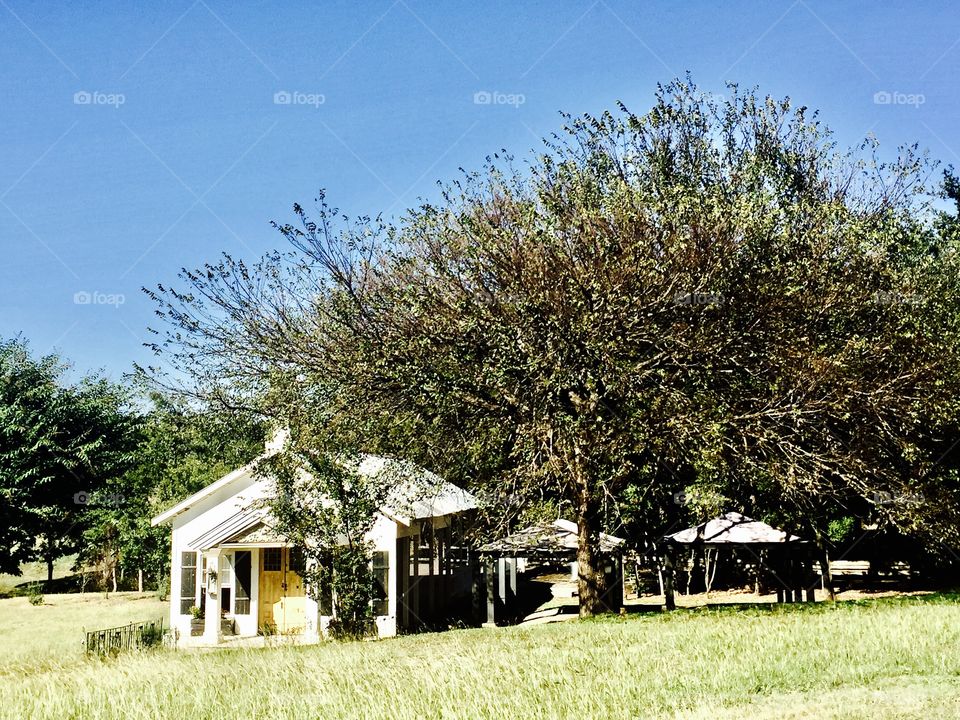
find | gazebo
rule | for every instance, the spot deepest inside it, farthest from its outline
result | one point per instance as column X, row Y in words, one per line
column 551, row 542
column 789, row 557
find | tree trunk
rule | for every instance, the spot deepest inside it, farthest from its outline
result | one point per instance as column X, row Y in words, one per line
column 139, row 579
column 825, row 575
column 669, row 601
column 591, row 581
column 824, row 559
column 49, row 560
column 113, row 577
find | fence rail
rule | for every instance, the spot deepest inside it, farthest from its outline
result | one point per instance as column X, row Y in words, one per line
column 135, row 636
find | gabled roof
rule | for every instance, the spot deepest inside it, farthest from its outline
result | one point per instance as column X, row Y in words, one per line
column 558, row 538
column 732, row 528
column 415, row 493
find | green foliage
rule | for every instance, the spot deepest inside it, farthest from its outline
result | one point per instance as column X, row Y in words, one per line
column 181, row 450
column 151, row 637
column 325, row 507
column 59, row 444
column 163, row 587
column 351, row 580
column 840, row 529
column 35, row 594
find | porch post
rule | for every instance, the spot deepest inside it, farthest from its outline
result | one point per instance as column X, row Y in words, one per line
column 211, row 617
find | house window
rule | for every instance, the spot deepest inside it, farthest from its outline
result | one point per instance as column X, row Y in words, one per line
column 226, row 583
column 226, row 577
column 241, row 577
column 381, row 582
column 271, row 559
column 188, row 581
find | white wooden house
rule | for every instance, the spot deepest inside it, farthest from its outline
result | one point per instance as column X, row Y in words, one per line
column 225, row 557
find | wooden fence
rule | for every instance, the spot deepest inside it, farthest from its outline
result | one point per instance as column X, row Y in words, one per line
column 135, row 636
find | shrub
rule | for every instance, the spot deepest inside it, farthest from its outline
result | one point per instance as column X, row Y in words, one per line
column 35, row 594
column 163, row 588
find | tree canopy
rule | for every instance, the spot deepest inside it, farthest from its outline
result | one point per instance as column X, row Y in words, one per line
column 710, row 295
column 60, row 444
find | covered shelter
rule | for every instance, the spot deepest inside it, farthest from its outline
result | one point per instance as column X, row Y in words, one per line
column 788, row 558
column 544, row 543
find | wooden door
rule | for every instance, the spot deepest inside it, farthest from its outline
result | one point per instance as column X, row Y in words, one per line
column 282, row 593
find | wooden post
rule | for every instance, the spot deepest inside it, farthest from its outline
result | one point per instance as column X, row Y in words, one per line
column 414, row 605
column 489, row 580
column 669, row 600
column 478, row 588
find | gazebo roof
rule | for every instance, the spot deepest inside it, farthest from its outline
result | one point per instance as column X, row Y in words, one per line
column 732, row 528
column 555, row 539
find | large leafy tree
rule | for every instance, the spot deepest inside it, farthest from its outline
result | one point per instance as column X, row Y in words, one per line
column 60, row 445
column 709, row 294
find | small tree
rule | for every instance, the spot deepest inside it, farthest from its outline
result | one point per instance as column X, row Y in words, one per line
column 326, row 508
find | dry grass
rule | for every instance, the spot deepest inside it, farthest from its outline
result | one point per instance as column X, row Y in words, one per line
column 51, row 635
column 878, row 659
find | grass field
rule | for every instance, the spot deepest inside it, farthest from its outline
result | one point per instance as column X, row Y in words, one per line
column 34, row 572
column 891, row 658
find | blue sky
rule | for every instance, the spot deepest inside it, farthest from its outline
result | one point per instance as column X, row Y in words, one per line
column 137, row 140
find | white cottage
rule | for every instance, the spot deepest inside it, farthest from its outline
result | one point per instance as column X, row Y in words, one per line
column 227, row 562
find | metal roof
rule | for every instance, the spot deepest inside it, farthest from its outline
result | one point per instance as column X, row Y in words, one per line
column 415, row 493
column 555, row 539
column 233, row 526
column 732, row 528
